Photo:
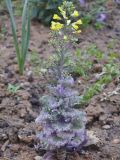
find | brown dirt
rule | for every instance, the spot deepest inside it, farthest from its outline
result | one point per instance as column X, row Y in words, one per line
column 18, row 112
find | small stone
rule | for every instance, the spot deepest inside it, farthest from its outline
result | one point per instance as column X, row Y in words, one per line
column 26, row 135
column 38, row 158
column 25, row 84
column 116, row 141
column 12, row 56
column 30, row 79
column 29, row 73
column 97, row 68
column 103, row 117
column 16, row 69
column 24, row 108
column 109, row 120
column 95, row 111
column 30, row 76
column 2, row 93
column 3, row 123
column 35, row 101
column 89, row 119
column 92, row 138
column 23, row 113
column 23, row 94
column 2, row 86
column 14, row 147
column 106, row 127
column 3, row 135
column 12, row 134
column 10, row 74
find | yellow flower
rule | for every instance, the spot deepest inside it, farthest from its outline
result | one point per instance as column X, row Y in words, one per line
column 65, row 37
column 78, row 22
column 55, row 16
column 56, row 26
column 78, row 31
column 68, row 22
column 75, row 26
column 75, row 14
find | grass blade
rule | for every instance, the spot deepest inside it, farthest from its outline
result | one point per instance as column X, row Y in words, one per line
column 27, row 37
column 13, row 26
column 24, row 19
column 25, row 33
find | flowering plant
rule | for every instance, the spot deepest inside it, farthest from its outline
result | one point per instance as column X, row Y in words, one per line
column 63, row 125
column 65, row 28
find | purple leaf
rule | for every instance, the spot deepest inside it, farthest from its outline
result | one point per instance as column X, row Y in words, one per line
column 102, row 17
column 117, row 1
column 82, row 3
column 49, row 156
column 63, row 125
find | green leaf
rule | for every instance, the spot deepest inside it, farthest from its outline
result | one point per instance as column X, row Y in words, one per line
column 21, row 51
column 13, row 26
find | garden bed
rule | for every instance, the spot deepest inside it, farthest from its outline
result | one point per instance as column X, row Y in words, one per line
column 18, row 111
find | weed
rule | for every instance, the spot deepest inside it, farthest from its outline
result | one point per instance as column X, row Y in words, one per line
column 82, row 63
column 13, row 88
column 83, row 66
column 109, row 72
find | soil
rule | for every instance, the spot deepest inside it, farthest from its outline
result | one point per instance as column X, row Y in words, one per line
column 18, row 111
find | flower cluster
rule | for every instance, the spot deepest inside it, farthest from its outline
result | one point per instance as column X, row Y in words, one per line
column 63, row 125
column 56, row 26
column 65, row 28
column 67, row 18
